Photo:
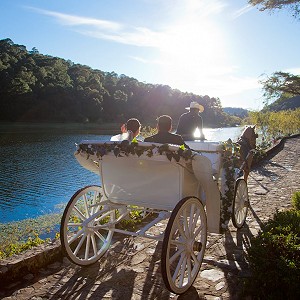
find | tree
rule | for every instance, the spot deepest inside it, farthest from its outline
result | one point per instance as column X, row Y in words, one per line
column 292, row 5
column 34, row 50
column 280, row 84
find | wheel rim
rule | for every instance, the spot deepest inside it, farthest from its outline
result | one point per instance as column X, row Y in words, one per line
column 184, row 245
column 83, row 243
column 241, row 203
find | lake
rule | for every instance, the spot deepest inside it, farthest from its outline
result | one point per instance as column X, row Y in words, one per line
column 39, row 173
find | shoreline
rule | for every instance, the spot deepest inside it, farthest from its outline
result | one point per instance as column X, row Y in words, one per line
column 114, row 127
column 101, row 129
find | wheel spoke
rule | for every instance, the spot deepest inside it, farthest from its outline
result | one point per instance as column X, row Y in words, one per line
column 182, row 271
column 195, row 258
column 100, row 236
column 79, row 213
column 93, row 204
column 177, row 268
column 191, row 220
column 74, row 237
column 74, row 224
column 86, row 206
column 96, row 209
column 177, row 243
column 195, row 220
column 94, row 244
column 177, row 253
column 185, row 223
column 87, row 246
column 181, row 230
column 80, row 244
column 189, row 268
column 199, row 229
column 101, row 217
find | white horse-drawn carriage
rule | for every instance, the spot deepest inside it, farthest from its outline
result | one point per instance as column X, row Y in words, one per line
column 183, row 187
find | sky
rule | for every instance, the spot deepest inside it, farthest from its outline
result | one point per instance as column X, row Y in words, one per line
column 219, row 48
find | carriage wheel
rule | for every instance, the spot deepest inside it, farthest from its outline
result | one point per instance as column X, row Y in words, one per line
column 240, row 203
column 81, row 242
column 184, row 245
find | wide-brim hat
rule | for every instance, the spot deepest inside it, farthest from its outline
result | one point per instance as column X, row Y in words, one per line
column 195, row 105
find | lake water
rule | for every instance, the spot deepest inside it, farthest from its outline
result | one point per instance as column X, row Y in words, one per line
column 39, row 173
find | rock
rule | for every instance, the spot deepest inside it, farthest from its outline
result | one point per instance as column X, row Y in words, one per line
column 137, row 259
column 212, row 275
column 220, row 285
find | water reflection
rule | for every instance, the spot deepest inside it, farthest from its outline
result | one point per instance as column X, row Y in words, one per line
column 39, row 171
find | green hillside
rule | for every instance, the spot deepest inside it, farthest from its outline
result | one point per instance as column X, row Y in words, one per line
column 236, row 111
column 41, row 88
column 284, row 104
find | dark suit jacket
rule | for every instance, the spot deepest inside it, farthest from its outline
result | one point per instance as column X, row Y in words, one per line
column 187, row 124
column 165, row 138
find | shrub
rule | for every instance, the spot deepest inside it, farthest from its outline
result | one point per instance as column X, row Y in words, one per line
column 20, row 236
column 259, row 154
column 18, row 247
column 296, row 200
column 274, row 258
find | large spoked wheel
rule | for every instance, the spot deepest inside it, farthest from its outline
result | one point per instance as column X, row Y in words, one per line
column 240, row 203
column 81, row 240
column 184, row 245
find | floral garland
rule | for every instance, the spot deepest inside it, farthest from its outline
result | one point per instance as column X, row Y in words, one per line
column 231, row 159
column 126, row 148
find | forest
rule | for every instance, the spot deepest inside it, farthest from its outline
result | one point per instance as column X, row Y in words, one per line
column 42, row 88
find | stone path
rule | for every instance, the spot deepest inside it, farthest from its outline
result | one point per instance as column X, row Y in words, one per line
column 131, row 268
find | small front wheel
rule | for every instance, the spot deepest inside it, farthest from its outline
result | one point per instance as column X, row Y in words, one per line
column 184, row 245
column 240, row 203
column 82, row 242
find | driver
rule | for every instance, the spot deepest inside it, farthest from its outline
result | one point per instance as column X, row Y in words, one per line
column 190, row 121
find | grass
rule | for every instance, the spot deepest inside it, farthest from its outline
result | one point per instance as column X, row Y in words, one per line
column 16, row 237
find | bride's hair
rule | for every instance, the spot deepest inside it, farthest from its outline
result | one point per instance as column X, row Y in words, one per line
column 133, row 125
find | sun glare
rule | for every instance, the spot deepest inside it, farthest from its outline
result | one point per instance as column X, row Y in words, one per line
column 193, row 50
column 197, row 133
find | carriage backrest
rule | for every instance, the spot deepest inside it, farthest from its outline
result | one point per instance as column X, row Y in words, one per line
column 143, row 181
column 154, row 182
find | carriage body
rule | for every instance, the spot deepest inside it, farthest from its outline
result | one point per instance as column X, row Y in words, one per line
column 184, row 190
column 158, row 182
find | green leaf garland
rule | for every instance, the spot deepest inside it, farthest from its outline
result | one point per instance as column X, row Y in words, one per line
column 126, row 148
column 231, row 160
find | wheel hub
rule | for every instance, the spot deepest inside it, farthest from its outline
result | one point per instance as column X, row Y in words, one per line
column 197, row 246
column 88, row 227
column 192, row 245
